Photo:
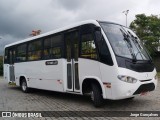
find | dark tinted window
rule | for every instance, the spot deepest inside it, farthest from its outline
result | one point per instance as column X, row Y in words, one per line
column 11, row 55
column 33, row 46
column 34, row 50
column 88, row 47
column 68, row 47
column 104, row 53
column 21, row 53
column 6, row 56
column 52, row 47
column 76, row 45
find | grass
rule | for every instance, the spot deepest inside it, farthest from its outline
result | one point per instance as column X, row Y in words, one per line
column 158, row 74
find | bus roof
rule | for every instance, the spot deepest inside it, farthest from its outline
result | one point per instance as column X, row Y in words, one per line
column 60, row 30
column 54, row 31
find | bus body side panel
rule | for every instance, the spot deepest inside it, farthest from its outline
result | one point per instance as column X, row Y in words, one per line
column 42, row 74
column 109, row 74
column 89, row 69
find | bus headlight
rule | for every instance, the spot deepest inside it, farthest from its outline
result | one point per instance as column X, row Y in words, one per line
column 127, row 79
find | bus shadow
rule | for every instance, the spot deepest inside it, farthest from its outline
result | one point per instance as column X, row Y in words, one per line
column 53, row 94
column 115, row 105
column 60, row 95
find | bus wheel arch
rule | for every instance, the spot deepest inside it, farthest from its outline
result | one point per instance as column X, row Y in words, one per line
column 23, row 84
column 86, row 85
column 21, row 78
column 93, row 87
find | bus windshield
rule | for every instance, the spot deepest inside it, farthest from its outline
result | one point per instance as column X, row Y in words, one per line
column 124, row 42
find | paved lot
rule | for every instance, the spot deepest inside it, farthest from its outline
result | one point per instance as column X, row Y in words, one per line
column 13, row 99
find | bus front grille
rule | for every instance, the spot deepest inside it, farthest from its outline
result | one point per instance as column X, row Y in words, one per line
column 145, row 88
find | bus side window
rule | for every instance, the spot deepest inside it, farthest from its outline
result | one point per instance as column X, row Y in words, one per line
column 21, row 53
column 88, row 48
column 53, row 47
column 56, row 44
column 6, row 56
column 47, row 47
column 104, row 53
column 34, row 50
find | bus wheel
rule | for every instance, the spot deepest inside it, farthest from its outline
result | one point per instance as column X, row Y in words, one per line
column 24, row 86
column 96, row 96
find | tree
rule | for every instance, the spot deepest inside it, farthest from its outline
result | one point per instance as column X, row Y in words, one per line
column 148, row 30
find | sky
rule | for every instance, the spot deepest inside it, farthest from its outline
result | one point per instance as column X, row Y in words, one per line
column 19, row 17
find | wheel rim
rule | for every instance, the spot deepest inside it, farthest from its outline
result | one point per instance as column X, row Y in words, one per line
column 92, row 96
column 24, row 86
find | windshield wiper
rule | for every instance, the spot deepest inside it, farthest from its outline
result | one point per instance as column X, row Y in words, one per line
column 126, row 38
column 135, row 40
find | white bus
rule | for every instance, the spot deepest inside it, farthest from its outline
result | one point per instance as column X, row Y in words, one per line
column 102, row 59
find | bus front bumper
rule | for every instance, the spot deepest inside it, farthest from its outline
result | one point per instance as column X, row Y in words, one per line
column 122, row 90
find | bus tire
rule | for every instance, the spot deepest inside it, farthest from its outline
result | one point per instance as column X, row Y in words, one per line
column 96, row 95
column 24, row 86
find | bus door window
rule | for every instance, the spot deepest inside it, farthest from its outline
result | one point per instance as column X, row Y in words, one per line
column 12, row 54
column 72, row 53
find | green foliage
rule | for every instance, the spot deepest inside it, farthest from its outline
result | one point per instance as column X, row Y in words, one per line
column 1, row 66
column 148, row 30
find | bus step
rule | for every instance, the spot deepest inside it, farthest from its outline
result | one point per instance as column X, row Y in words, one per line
column 12, row 84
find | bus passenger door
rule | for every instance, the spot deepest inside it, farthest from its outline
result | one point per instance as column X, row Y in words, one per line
column 72, row 53
column 11, row 65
